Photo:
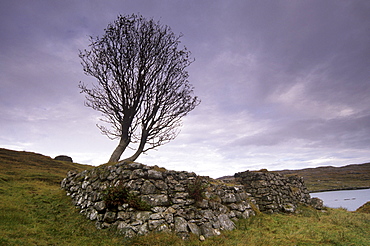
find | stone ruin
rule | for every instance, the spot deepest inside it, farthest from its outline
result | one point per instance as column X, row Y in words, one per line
column 167, row 193
column 274, row 192
column 171, row 205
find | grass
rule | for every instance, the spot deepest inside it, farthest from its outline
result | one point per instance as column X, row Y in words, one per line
column 364, row 208
column 35, row 211
column 33, row 208
column 309, row 227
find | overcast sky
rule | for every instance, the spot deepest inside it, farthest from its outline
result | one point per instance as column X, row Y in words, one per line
column 283, row 84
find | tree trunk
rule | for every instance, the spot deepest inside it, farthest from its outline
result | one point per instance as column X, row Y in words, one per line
column 123, row 143
column 144, row 137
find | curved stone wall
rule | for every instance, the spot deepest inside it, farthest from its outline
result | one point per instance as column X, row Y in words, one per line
column 274, row 192
column 167, row 192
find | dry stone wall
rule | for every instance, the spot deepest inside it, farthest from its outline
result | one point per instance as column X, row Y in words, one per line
column 172, row 208
column 274, row 192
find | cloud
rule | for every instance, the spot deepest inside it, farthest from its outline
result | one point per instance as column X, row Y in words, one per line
column 283, row 84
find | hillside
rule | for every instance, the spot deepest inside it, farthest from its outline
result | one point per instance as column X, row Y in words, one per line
column 25, row 166
column 35, row 211
column 354, row 176
column 33, row 208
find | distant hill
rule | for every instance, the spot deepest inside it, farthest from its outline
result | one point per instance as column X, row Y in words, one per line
column 355, row 176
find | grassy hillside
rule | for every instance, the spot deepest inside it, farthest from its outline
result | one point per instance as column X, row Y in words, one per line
column 35, row 211
column 33, row 208
column 334, row 178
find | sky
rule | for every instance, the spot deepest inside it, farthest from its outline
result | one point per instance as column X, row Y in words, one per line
column 283, row 84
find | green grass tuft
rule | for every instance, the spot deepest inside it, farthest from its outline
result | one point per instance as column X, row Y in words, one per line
column 364, row 208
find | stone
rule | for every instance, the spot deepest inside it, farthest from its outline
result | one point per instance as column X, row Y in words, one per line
column 194, row 228
column 101, row 225
column 141, row 216
column 147, row 188
column 71, row 173
column 228, row 198
column 317, row 203
column 93, row 215
column 137, row 173
column 160, row 184
column 134, row 184
column 100, row 206
column 288, row 208
column 181, row 225
column 232, row 214
column 241, row 196
column 128, row 232
column 207, row 230
column 181, row 195
column 154, row 224
column 63, row 158
column 178, row 201
column 170, row 210
column 156, row 216
column 248, row 213
column 143, row 229
column 125, row 174
column 216, row 224
column 163, row 227
column 112, row 176
column 183, row 176
column 168, row 217
column 202, row 204
column 179, row 187
column 207, row 214
column 225, row 222
column 156, row 200
column 123, row 207
column 136, row 223
column 123, row 215
column 153, row 174
column 64, row 183
column 158, row 209
column 122, row 225
column 85, row 184
column 134, row 165
column 110, row 217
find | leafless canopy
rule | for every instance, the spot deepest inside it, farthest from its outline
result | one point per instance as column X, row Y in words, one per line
column 142, row 88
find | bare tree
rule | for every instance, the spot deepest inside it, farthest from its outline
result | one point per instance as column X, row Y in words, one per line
column 142, row 85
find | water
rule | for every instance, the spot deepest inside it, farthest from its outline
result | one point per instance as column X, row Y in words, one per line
column 349, row 199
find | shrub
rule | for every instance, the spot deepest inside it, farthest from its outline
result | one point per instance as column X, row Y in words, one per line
column 197, row 188
column 119, row 195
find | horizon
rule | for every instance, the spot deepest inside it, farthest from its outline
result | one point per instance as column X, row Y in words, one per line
column 227, row 175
